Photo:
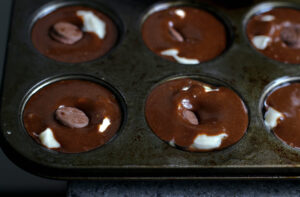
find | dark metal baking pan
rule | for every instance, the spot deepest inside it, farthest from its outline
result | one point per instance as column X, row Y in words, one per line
column 132, row 69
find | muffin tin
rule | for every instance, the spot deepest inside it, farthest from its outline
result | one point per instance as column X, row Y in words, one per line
column 132, row 70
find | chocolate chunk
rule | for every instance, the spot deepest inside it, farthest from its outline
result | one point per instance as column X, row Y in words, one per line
column 66, row 33
column 190, row 116
column 291, row 36
column 72, row 117
column 175, row 34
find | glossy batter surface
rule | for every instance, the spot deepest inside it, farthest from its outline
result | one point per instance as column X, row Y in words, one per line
column 203, row 35
column 90, row 47
column 217, row 109
column 94, row 100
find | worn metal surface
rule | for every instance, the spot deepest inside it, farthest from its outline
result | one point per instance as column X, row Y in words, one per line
column 133, row 70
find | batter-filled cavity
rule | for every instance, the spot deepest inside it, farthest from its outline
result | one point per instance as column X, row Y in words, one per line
column 196, row 116
column 183, row 34
column 72, row 116
column 74, row 34
column 276, row 34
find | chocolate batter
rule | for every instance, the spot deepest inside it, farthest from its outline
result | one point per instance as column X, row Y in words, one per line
column 284, row 31
column 180, row 109
column 286, row 100
column 198, row 35
column 87, row 48
column 96, row 102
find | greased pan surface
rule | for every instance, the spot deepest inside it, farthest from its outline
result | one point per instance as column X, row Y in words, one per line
column 132, row 70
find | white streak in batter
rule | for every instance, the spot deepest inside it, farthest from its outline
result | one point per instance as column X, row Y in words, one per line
column 174, row 53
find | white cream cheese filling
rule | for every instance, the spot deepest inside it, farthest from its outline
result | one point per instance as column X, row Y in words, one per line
column 271, row 117
column 47, row 139
column 92, row 23
column 174, row 53
column 261, row 42
column 267, row 18
column 180, row 13
column 209, row 89
column 206, row 142
column 172, row 142
column 104, row 125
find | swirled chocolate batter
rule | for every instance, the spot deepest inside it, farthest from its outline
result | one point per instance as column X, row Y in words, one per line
column 62, row 117
column 184, row 34
column 276, row 34
column 282, row 113
column 196, row 116
column 74, row 34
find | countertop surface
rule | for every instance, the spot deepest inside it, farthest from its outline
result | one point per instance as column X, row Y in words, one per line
column 184, row 188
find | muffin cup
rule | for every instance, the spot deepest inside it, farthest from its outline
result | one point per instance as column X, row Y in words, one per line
column 160, row 6
column 56, row 5
column 277, row 83
column 208, row 81
column 36, row 88
column 260, row 9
